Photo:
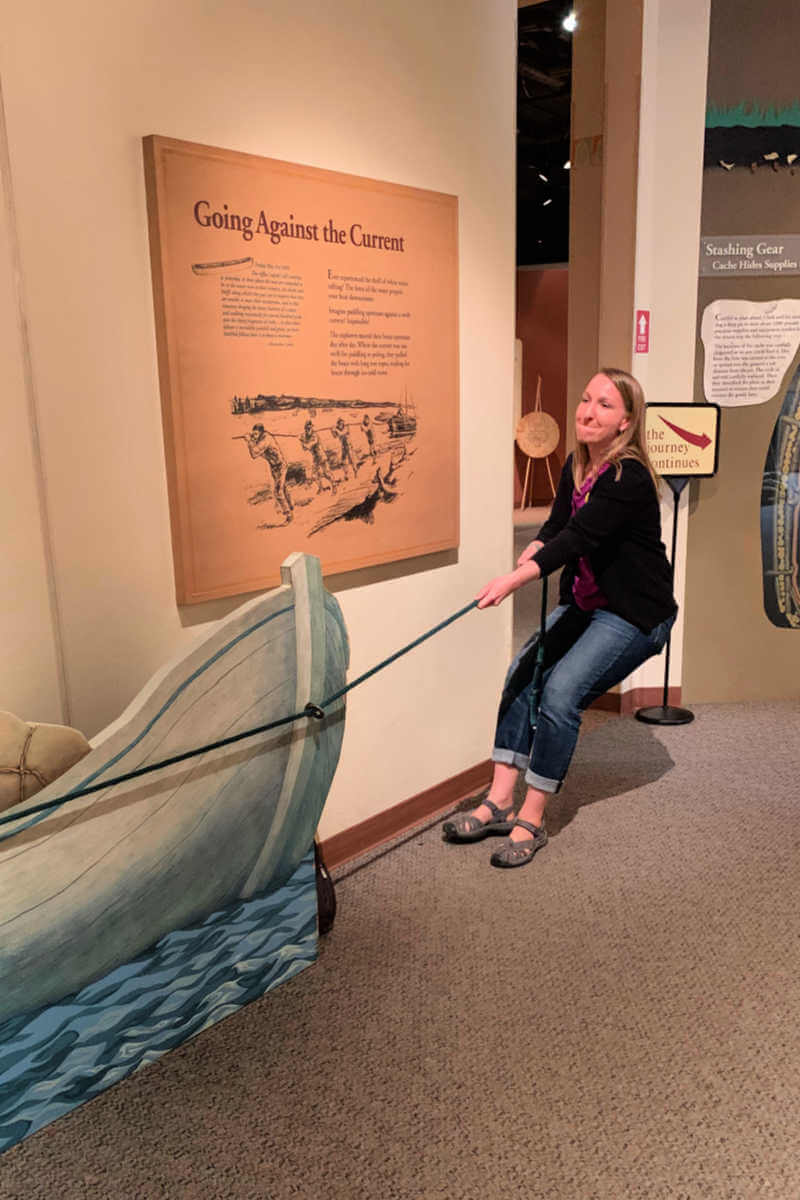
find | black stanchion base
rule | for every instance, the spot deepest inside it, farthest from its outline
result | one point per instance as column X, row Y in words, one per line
column 664, row 714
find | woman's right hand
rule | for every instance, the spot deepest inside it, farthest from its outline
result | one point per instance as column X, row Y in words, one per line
column 496, row 590
column 529, row 552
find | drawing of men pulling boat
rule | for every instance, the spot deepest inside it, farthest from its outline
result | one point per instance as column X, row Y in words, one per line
column 313, row 462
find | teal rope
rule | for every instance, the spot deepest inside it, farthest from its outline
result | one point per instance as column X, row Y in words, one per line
column 311, row 710
column 393, row 657
column 537, row 682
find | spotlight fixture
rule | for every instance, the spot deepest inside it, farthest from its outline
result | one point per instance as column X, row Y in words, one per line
column 543, row 178
column 546, row 203
column 567, row 165
column 570, row 23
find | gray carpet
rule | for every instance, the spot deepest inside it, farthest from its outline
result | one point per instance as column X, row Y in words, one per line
column 617, row 1019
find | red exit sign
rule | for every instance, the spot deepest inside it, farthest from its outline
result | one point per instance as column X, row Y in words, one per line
column 642, row 330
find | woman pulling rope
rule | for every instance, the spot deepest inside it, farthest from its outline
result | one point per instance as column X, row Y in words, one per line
column 616, row 610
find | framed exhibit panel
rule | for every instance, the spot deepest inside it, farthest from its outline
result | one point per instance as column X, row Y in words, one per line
column 307, row 332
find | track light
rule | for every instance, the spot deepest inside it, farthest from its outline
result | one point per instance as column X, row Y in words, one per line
column 570, row 23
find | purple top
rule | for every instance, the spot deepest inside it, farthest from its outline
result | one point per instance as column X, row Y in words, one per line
column 584, row 586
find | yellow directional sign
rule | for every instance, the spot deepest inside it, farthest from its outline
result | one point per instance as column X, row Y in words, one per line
column 683, row 439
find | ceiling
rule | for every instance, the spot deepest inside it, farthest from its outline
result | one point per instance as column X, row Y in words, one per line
column 543, row 132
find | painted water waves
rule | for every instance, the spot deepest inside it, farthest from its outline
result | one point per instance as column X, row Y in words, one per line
column 57, row 1057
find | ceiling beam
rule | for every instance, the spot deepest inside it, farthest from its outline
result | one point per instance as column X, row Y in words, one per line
column 551, row 81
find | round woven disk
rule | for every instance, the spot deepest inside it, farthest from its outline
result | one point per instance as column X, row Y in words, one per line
column 537, row 434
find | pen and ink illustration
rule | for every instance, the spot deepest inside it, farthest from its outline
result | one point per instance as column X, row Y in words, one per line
column 325, row 460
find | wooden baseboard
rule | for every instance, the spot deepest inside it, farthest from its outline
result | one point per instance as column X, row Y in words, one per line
column 628, row 702
column 358, row 839
column 644, row 697
column 610, row 702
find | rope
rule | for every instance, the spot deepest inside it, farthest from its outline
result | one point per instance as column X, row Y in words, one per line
column 39, row 811
column 537, row 682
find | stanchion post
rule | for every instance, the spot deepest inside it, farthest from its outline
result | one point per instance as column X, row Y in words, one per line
column 666, row 713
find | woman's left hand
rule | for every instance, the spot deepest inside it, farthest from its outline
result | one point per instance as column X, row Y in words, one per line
column 496, row 590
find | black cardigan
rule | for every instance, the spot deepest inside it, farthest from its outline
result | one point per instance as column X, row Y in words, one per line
column 619, row 529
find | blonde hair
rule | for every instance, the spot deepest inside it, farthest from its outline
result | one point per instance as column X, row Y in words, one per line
column 631, row 442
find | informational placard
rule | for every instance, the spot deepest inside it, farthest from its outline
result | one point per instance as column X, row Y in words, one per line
column 307, row 330
column 683, row 439
column 749, row 346
column 756, row 255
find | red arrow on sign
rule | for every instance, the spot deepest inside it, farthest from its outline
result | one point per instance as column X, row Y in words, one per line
column 697, row 439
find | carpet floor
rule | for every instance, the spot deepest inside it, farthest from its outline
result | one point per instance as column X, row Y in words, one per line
column 617, row 1019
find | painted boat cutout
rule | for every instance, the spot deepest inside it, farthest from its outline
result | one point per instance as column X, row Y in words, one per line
column 103, row 877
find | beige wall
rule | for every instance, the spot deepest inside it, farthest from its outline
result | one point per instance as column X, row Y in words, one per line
column 671, row 129
column 585, row 203
column 607, row 47
column 367, row 89
column 623, row 59
column 30, row 679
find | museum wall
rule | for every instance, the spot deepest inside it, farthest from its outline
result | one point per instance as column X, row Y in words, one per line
column 669, row 194
column 585, row 202
column 29, row 664
column 732, row 650
column 364, row 89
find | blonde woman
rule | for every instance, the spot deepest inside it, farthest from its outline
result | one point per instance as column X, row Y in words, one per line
column 616, row 610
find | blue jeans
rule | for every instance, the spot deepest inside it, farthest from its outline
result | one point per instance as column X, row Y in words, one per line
column 604, row 654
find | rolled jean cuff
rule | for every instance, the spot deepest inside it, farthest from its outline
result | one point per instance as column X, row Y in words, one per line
column 510, row 758
column 542, row 782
